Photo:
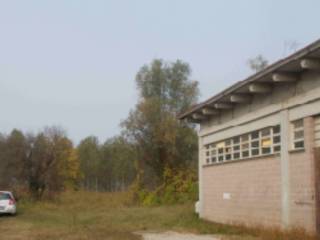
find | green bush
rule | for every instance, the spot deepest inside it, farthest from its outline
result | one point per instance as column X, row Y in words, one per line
column 179, row 186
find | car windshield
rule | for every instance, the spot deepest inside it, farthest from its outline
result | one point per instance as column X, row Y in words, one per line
column 4, row 196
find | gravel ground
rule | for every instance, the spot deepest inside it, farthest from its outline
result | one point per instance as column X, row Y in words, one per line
column 176, row 236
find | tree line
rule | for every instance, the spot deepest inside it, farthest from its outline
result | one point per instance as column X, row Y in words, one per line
column 152, row 143
column 38, row 163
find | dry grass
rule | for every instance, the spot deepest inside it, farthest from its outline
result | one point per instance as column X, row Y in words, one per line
column 260, row 233
column 86, row 216
column 79, row 215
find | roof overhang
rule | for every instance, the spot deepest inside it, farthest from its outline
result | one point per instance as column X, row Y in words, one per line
column 286, row 70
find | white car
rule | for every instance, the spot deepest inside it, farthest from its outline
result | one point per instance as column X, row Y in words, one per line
column 7, row 203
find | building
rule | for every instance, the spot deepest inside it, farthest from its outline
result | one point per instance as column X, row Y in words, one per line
column 259, row 146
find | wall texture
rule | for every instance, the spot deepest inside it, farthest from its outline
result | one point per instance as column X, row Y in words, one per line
column 254, row 188
column 302, row 182
column 249, row 191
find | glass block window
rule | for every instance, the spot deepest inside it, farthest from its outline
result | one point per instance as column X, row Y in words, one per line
column 261, row 142
column 298, row 134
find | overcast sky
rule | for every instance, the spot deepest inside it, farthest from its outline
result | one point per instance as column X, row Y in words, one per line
column 73, row 63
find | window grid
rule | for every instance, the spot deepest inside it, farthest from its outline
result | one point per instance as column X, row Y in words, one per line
column 298, row 134
column 262, row 142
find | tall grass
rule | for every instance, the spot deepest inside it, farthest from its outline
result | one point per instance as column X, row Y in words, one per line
column 89, row 215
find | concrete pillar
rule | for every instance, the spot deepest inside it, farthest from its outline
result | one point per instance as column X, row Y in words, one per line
column 200, row 162
column 309, row 143
column 284, row 166
column 317, row 188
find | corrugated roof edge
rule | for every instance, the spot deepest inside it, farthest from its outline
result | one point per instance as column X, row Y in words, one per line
column 269, row 69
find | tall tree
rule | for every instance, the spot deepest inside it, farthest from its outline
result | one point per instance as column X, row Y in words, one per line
column 165, row 89
column 47, row 165
column 40, row 163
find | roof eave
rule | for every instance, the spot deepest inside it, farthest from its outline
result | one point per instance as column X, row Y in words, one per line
column 275, row 67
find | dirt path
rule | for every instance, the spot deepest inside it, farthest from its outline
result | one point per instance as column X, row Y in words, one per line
column 176, row 236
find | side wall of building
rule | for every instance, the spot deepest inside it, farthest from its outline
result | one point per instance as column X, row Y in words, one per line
column 250, row 191
column 259, row 191
column 246, row 192
column 302, row 182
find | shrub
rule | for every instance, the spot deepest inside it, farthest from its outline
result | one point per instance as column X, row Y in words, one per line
column 179, row 186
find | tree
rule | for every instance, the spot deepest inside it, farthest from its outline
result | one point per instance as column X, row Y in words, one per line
column 68, row 164
column 42, row 163
column 12, row 154
column 47, row 164
column 107, row 167
column 118, row 163
column 258, row 63
column 71, row 169
column 89, row 156
column 165, row 90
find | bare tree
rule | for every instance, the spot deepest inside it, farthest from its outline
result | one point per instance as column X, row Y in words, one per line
column 258, row 63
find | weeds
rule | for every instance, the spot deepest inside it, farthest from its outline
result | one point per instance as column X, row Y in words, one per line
column 87, row 215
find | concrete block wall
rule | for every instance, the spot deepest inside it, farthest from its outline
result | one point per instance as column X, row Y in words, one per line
column 302, row 182
column 249, row 191
column 253, row 187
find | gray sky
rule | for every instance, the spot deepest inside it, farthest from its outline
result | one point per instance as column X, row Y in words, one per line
column 73, row 63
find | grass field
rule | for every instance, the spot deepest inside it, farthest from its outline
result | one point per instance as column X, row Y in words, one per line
column 84, row 216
